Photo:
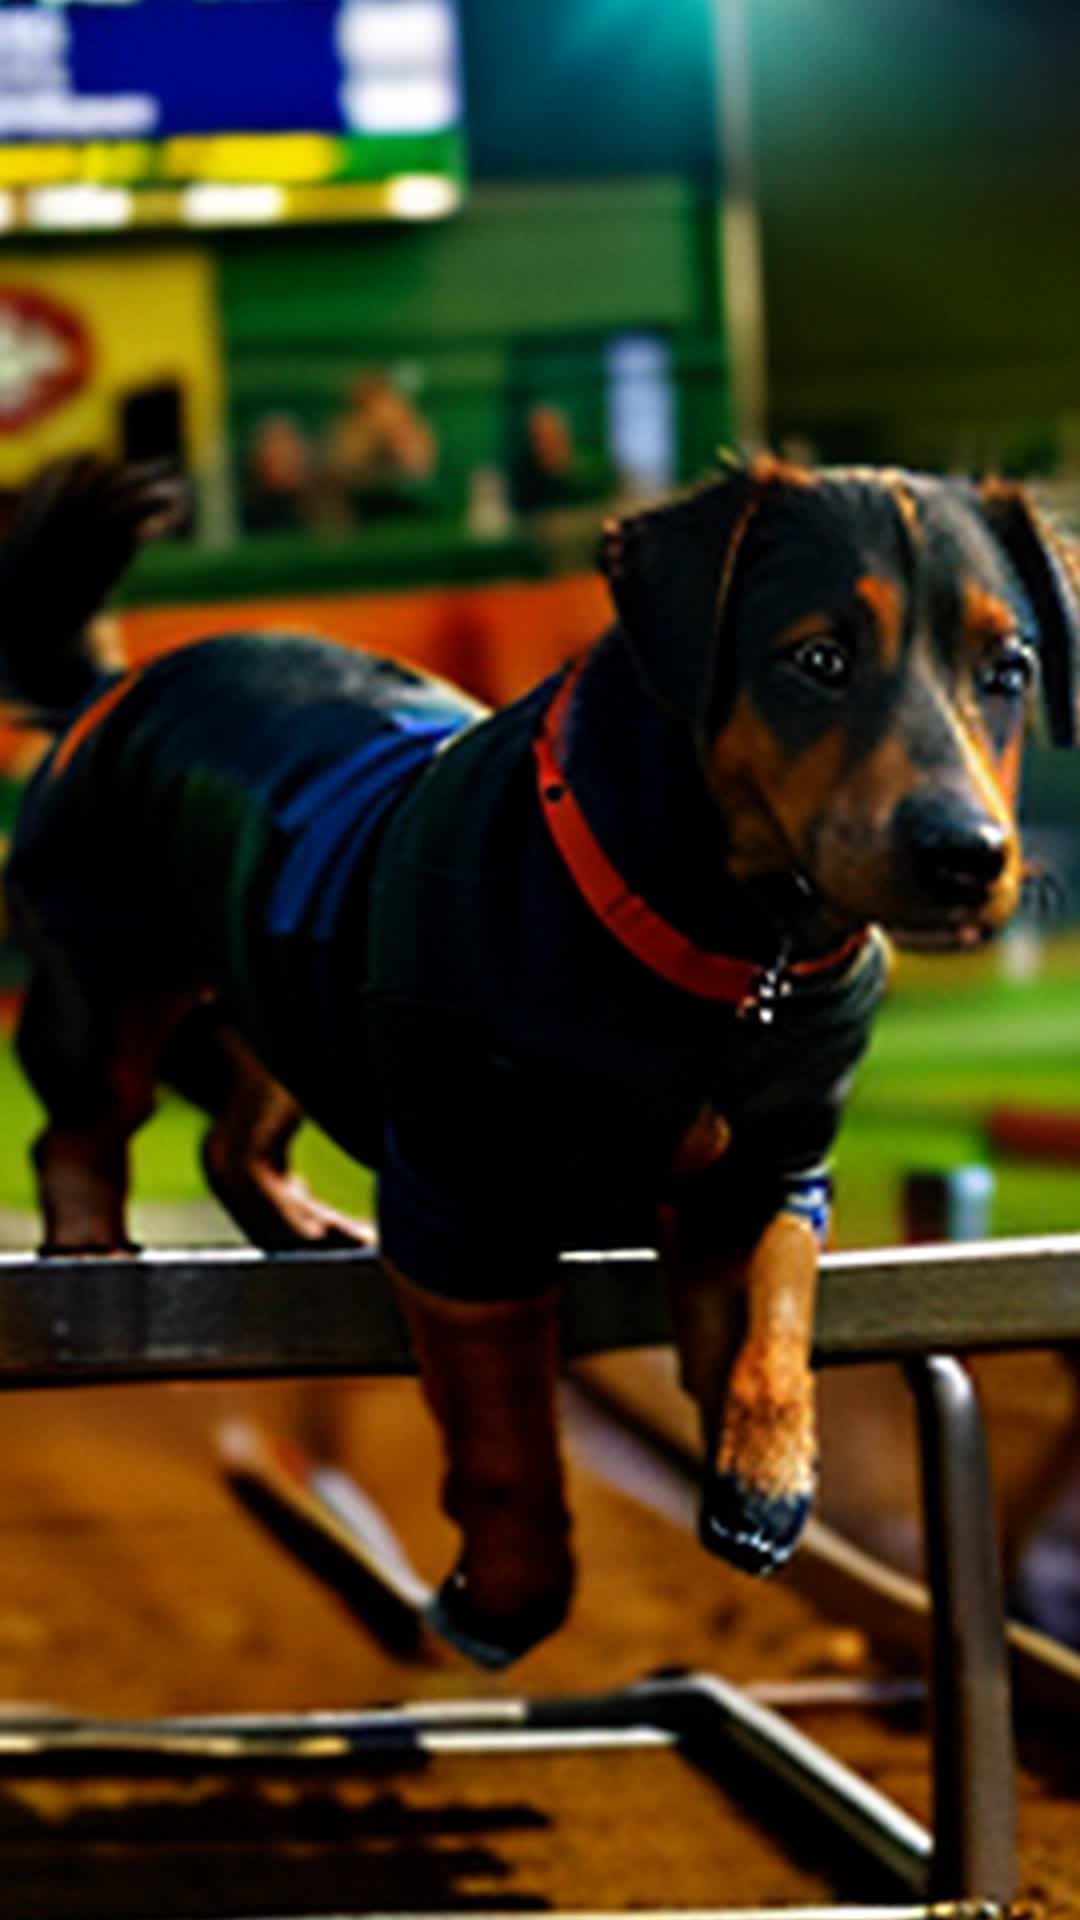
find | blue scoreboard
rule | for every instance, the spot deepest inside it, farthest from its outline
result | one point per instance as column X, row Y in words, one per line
column 118, row 112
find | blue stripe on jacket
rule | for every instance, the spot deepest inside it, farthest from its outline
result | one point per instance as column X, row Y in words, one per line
column 335, row 815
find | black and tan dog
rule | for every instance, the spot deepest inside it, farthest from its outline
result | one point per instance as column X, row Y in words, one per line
column 599, row 964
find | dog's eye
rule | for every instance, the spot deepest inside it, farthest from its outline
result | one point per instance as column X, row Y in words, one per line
column 1008, row 672
column 823, row 660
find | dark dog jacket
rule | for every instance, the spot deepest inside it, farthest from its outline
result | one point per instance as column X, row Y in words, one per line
column 358, row 862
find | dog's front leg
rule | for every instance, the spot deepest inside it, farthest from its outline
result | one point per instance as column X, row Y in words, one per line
column 489, row 1371
column 744, row 1329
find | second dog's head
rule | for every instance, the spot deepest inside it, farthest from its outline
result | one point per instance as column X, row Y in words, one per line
column 854, row 653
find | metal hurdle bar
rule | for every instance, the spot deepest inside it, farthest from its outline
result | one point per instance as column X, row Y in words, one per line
column 238, row 1313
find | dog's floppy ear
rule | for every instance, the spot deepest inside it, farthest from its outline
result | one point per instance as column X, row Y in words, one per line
column 1049, row 580
column 668, row 568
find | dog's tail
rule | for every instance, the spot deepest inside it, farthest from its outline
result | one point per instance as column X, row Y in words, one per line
column 75, row 530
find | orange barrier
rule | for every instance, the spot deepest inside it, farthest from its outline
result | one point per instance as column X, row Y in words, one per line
column 494, row 640
column 1032, row 1133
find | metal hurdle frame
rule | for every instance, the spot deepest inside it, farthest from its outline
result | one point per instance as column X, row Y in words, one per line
column 242, row 1314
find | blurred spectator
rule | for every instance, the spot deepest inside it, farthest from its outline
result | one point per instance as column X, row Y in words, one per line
column 277, row 479
column 380, row 454
column 550, row 470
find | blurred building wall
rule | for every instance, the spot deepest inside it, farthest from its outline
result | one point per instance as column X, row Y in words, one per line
column 514, row 302
column 918, row 168
column 470, row 303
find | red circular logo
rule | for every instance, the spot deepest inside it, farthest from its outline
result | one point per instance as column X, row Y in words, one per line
column 44, row 356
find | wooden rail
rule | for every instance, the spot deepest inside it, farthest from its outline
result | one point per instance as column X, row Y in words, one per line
column 235, row 1312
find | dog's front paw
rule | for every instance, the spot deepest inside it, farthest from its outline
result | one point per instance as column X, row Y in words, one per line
column 493, row 1640
column 751, row 1529
column 759, row 1487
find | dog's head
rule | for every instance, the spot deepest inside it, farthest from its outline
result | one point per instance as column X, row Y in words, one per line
column 854, row 653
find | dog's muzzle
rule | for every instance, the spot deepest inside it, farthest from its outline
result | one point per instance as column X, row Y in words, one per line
column 954, row 852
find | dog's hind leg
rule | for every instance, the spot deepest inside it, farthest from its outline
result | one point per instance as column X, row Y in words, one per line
column 744, row 1329
column 245, row 1154
column 90, row 1046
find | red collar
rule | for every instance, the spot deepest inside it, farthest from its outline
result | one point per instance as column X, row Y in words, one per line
column 748, row 986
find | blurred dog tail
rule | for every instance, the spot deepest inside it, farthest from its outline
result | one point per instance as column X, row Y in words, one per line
column 75, row 530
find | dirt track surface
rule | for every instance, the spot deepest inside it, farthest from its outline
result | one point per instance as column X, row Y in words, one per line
column 133, row 1583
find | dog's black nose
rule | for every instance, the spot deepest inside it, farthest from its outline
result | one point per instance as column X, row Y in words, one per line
column 956, row 851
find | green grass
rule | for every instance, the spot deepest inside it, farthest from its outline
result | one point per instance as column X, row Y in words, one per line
column 955, row 1038
column 166, row 1163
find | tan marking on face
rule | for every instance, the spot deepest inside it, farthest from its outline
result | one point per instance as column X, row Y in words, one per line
column 1005, row 894
column 768, row 798
column 882, row 597
column 808, row 781
column 987, row 621
column 979, row 763
column 808, row 627
column 988, row 789
column 986, row 617
column 738, row 764
column 744, row 762
column 863, row 807
column 1008, row 770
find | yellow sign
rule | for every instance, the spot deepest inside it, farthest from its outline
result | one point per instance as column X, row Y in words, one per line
column 151, row 320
